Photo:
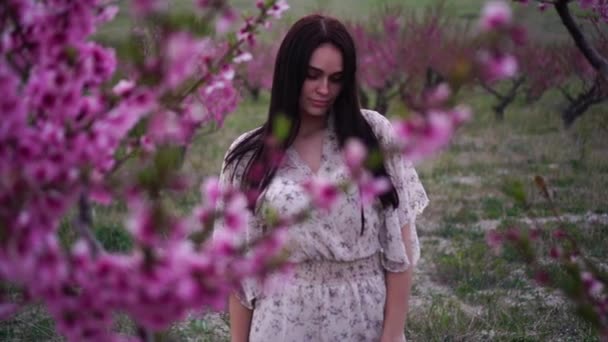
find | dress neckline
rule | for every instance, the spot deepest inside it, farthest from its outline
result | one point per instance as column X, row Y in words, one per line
column 296, row 158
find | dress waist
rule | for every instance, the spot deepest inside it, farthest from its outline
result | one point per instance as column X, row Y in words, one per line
column 330, row 271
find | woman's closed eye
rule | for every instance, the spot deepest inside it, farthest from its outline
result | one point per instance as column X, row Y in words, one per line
column 314, row 74
column 336, row 78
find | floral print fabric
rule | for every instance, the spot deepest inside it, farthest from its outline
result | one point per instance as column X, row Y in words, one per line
column 337, row 291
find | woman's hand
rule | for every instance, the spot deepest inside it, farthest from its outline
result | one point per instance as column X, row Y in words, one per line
column 397, row 337
column 240, row 320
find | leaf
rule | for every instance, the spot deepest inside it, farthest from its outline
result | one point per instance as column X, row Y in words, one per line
column 189, row 22
column 460, row 72
column 515, row 189
column 281, row 127
column 140, row 128
column 587, row 312
column 374, row 159
column 271, row 216
column 168, row 158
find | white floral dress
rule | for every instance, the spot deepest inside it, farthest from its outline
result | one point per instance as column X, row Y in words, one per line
column 337, row 290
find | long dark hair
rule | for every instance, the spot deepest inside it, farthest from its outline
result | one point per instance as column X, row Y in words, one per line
column 291, row 65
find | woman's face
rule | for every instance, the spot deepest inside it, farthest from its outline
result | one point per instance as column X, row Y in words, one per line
column 323, row 81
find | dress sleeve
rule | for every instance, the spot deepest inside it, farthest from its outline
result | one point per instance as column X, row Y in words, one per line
column 230, row 176
column 412, row 201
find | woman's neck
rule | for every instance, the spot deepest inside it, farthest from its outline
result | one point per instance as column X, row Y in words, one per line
column 310, row 125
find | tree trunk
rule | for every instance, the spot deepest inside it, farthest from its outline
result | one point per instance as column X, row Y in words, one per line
column 255, row 94
column 505, row 100
column 381, row 105
column 432, row 79
column 599, row 62
column 363, row 98
column 594, row 95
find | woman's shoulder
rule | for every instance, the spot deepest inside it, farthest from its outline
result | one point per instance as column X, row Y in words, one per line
column 240, row 139
column 381, row 126
column 235, row 167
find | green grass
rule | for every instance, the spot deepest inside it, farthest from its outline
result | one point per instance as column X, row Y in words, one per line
column 493, row 208
column 442, row 319
column 471, row 267
column 531, row 141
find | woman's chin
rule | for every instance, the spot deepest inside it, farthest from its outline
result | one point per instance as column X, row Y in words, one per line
column 316, row 111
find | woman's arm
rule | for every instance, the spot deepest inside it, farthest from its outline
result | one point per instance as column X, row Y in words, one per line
column 398, row 287
column 240, row 320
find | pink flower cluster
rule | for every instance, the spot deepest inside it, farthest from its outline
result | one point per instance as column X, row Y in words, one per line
column 586, row 286
column 432, row 127
column 370, row 187
column 598, row 6
column 63, row 127
column 381, row 53
column 323, row 193
column 495, row 63
column 257, row 73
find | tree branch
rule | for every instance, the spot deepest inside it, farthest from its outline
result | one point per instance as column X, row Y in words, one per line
column 491, row 90
column 566, row 94
column 596, row 60
column 84, row 222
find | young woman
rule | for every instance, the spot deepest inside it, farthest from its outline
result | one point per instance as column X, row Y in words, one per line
column 354, row 264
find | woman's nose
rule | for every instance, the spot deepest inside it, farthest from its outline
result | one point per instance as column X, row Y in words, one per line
column 323, row 87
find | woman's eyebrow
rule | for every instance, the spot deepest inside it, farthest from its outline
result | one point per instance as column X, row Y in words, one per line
column 322, row 71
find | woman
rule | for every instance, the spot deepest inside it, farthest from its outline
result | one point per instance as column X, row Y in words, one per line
column 354, row 264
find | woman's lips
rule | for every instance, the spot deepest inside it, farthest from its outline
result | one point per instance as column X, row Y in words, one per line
column 319, row 103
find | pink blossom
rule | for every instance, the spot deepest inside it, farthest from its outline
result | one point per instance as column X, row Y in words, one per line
column 519, row 35
column 273, row 245
column 496, row 14
column 322, row 193
column 235, row 213
column 107, row 14
column 461, row 114
column 219, row 97
column 278, row 8
column 439, row 130
column 225, row 20
column 513, row 234
column 370, row 188
column 542, row 277
column 495, row 240
column 243, row 57
column 438, row 95
column 245, row 33
column 101, row 194
column 592, row 285
column 560, row 234
column 147, row 7
column 123, row 87
column 98, row 62
column 355, row 153
column 182, row 54
column 7, row 310
column 257, row 73
column 497, row 66
column 555, row 252
column 141, row 223
column 61, row 135
column 586, row 4
column 424, row 135
column 165, row 127
column 211, row 191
